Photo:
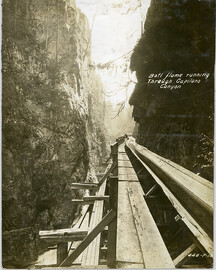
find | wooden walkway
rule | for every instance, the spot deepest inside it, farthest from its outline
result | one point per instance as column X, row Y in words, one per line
column 117, row 227
column 139, row 243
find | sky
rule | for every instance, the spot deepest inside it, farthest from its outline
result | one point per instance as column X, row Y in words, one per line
column 116, row 30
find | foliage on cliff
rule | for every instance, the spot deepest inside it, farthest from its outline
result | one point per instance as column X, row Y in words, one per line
column 178, row 123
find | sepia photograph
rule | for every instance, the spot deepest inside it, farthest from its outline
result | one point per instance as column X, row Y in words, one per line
column 107, row 134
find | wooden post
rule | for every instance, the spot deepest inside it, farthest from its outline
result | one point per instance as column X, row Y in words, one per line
column 112, row 228
column 62, row 252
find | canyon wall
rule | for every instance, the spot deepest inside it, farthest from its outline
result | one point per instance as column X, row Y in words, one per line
column 176, row 123
column 52, row 125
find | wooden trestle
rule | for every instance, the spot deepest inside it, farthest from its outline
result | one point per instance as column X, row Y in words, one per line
column 116, row 228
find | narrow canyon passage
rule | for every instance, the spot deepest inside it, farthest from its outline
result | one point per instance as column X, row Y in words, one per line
column 79, row 75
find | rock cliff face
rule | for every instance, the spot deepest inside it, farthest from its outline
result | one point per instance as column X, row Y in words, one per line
column 53, row 112
column 178, row 123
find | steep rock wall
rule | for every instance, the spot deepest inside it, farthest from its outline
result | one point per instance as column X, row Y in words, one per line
column 51, row 132
column 178, row 123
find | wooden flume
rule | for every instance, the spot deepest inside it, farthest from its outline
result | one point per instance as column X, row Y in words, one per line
column 117, row 227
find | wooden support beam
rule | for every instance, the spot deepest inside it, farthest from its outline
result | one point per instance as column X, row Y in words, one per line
column 62, row 232
column 62, row 252
column 96, row 198
column 80, row 201
column 183, row 257
column 83, row 185
column 91, row 255
column 103, row 179
column 89, row 238
column 59, row 239
column 151, row 191
column 112, row 228
column 64, row 235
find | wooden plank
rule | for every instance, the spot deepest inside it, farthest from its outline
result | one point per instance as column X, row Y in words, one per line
column 98, row 229
column 96, row 198
column 154, row 251
column 81, row 201
column 130, row 257
column 63, row 238
column 128, row 247
column 83, row 185
column 63, row 232
column 183, row 257
column 123, row 157
column 126, row 171
column 84, row 224
column 124, row 163
column 128, row 177
column 91, row 254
